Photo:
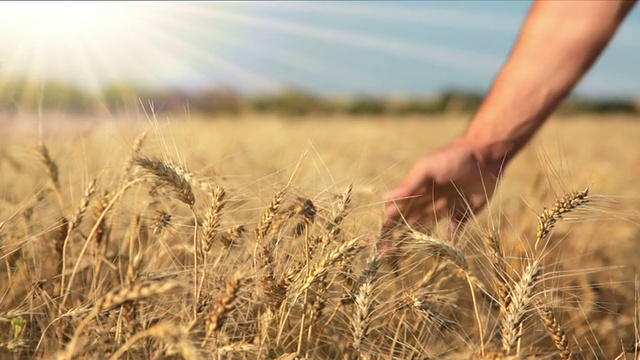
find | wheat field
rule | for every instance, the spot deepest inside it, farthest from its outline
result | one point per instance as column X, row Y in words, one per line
column 255, row 238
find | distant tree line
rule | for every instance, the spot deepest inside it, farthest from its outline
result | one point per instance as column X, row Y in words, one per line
column 19, row 95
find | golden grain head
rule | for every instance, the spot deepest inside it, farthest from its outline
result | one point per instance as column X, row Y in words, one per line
column 167, row 177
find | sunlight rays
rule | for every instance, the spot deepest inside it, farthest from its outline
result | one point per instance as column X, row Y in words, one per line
column 58, row 40
column 430, row 53
column 327, row 48
column 334, row 71
column 158, row 44
column 430, row 17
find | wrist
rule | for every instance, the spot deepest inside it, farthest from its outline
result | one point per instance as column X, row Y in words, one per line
column 490, row 153
column 500, row 129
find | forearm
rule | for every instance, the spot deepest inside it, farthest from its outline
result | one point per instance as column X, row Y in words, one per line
column 558, row 43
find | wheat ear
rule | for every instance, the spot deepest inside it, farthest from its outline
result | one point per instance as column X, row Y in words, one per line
column 440, row 249
column 229, row 236
column 222, row 307
column 265, row 246
column 212, row 219
column 167, row 176
column 172, row 334
column 76, row 219
column 133, row 155
column 101, row 238
column 267, row 218
column 50, row 166
column 343, row 251
column 555, row 330
column 334, row 226
column 521, row 298
column 306, row 211
column 365, row 306
column 492, row 243
column 549, row 217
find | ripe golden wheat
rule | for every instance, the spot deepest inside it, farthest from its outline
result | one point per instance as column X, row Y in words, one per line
column 161, row 265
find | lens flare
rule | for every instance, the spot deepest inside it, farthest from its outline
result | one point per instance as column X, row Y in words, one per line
column 61, row 20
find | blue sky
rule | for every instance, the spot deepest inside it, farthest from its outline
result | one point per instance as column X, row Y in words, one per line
column 400, row 48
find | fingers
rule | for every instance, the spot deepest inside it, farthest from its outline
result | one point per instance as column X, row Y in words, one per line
column 394, row 202
column 425, row 211
column 398, row 203
column 457, row 222
column 463, row 213
column 408, row 195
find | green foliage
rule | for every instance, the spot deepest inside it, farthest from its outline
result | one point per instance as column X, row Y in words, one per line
column 17, row 326
column 601, row 106
column 417, row 106
column 366, row 106
column 288, row 102
column 216, row 101
column 456, row 102
column 120, row 97
column 22, row 95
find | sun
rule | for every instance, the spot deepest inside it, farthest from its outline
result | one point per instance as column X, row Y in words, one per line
column 65, row 20
column 68, row 40
column 141, row 43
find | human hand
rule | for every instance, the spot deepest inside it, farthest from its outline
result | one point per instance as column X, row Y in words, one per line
column 451, row 182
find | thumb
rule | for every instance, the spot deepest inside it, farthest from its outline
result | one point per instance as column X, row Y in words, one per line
column 398, row 193
column 457, row 222
column 395, row 201
column 454, row 228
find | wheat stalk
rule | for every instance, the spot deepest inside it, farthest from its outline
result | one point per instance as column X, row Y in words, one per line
column 265, row 247
column 101, row 237
column 134, row 292
column 111, row 203
column 76, row 219
column 129, row 310
column 59, row 236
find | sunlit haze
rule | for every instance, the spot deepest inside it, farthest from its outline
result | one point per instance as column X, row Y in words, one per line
column 325, row 47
